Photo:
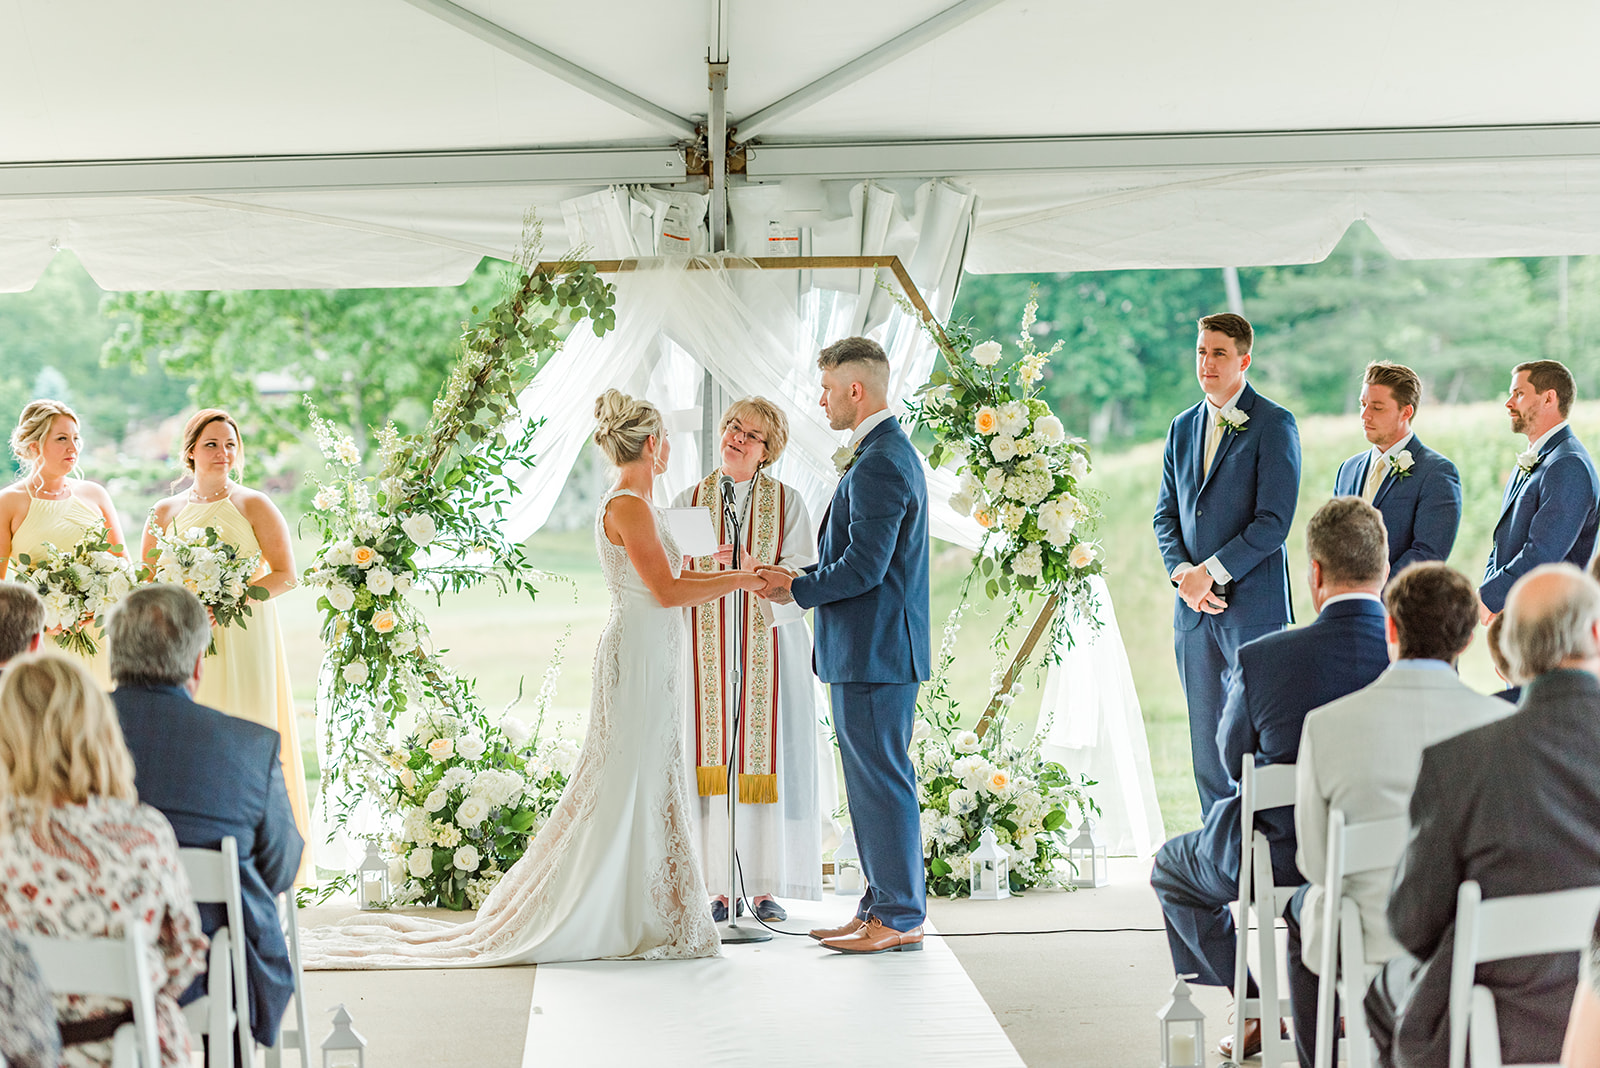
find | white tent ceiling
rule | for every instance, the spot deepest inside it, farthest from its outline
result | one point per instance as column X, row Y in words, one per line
column 198, row 143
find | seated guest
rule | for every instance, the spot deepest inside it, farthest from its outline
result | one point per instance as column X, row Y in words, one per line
column 1502, row 666
column 21, row 621
column 1361, row 752
column 1514, row 805
column 1581, row 1049
column 1280, row 678
column 28, row 1034
column 78, row 852
column 210, row 774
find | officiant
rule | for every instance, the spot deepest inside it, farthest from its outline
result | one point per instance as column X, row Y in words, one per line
column 781, row 813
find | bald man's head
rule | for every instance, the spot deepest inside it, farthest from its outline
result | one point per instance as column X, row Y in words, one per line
column 1552, row 621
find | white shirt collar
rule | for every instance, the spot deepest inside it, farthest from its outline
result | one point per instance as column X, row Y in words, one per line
column 1231, row 401
column 867, row 426
column 1393, row 450
column 1539, row 442
column 1357, row 596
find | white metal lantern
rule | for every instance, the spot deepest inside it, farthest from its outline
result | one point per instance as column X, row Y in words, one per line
column 991, row 876
column 344, row 1047
column 1087, row 854
column 1183, row 1029
column 847, row 866
column 373, row 889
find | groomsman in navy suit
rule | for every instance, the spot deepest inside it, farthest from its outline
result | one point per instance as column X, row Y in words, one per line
column 1551, row 509
column 1229, row 481
column 1417, row 490
column 870, row 589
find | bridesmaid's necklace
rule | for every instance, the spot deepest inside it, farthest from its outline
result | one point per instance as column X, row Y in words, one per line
column 212, row 498
column 52, row 495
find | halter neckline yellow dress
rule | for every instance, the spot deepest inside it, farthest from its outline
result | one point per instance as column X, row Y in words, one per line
column 248, row 675
column 62, row 524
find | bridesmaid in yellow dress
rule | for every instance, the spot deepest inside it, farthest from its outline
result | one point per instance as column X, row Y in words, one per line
column 248, row 676
column 48, row 504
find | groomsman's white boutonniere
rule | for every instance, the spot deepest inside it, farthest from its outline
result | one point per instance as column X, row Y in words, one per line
column 843, row 457
column 1527, row 460
column 1232, row 420
column 1401, row 463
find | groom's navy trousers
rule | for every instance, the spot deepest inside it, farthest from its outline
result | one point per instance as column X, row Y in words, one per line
column 870, row 592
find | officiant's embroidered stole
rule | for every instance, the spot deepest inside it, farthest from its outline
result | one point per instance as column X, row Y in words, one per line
column 758, row 768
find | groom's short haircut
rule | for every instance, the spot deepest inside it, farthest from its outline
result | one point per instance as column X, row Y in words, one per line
column 157, row 633
column 1231, row 325
column 21, row 619
column 1347, row 537
column 1545, row 375
column 1435, row 611
column 873, row 362
column 1401, row 381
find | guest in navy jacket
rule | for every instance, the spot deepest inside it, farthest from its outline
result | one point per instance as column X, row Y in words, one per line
column 1417, row 490
column 211, row 775
column 1551, row 510
column 1281, row 678
column 1230, row 478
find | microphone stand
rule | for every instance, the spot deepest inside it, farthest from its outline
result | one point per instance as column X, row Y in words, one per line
column 732, row 932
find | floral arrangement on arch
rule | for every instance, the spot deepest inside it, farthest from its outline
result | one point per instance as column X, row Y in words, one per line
column 79, row 586
column 966, row 783
column 429, row 521
column 1020, row 472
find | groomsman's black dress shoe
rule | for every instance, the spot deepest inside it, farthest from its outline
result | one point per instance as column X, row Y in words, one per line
column 769, row 911
column 719, row 911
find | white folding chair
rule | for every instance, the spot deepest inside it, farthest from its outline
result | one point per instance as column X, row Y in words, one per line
column 1523, row 925
column 1270, row 786
column 1353, row 848
column 214, row 880
column 299, row 1036
column 107, row 967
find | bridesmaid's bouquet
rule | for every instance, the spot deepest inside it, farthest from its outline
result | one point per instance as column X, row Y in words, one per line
column 78, row 586
column 214, row 570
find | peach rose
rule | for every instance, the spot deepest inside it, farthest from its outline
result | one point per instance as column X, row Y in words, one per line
column 384, row 621
column 365, row 555
column 987, row 420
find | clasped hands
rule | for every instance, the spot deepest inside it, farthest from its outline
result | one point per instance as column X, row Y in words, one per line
column 777, row 581
column 1195, row 587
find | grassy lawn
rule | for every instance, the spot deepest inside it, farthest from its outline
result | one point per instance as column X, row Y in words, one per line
column 506, row 642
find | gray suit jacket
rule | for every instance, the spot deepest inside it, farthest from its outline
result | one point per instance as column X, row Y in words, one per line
column 1361, row 754
column 1516, row 806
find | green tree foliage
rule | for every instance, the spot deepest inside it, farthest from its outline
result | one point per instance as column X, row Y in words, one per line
column 367, row 355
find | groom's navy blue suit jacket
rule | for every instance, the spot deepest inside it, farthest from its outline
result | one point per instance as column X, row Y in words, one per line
column 1421, row 511
column 213, row 776
column 1547, row 516
column 870, row 583
column 1240, row 511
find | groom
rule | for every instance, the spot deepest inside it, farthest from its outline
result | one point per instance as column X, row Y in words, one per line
column 870, row 590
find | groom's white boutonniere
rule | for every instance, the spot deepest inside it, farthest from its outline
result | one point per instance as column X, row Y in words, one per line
column 1527, row 460
column 1232, row 420
column 1401, row 463
column 843, row 457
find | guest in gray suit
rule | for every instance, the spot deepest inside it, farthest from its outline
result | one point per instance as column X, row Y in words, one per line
column 1361, row 753
column 21, row 621
column 1514, row 805
column 212, row 776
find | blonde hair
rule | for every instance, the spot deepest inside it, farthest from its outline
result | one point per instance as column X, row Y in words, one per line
column 774, row 424
column 623, row 424
column 60, row 742
column 197, row 425
column 33, row 426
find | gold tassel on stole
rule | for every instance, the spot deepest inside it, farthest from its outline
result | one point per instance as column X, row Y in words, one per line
column 713, row 781
column 758, row 789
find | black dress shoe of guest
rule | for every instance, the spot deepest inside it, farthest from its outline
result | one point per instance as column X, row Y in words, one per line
column 719, row 911
column 769, row 911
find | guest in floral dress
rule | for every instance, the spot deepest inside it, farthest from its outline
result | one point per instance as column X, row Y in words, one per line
column 79, row 853
column 28, row 1035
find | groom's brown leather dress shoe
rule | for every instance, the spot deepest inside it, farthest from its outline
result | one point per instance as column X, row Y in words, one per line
column 1252, row 1041
column 874, row 937
column 855, row 924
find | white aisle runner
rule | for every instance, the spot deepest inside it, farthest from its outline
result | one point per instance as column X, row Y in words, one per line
column 778, row 1003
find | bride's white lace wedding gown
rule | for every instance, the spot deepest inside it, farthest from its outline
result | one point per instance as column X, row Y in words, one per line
column 612, row 873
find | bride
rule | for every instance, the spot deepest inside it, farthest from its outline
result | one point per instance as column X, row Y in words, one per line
column 613, row 871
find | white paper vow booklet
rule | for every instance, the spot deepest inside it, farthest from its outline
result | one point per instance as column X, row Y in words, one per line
column 691, row 528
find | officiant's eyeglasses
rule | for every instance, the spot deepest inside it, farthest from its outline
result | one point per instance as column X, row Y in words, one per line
column 749, row 436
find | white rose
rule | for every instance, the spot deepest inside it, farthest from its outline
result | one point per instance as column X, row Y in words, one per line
column 441, row 749
column 436, row 800
column 403, row 642
column 966, row 742
column 516, row 731
column 470, row 747
column 1049, row 430
column 420, row 862
column 402, row 583
column 1056, row 519
column 986, row 354
column 994, row 481
column 962, row 503
column 341, row 597
column 1083, row 554
column 1003, row 449
column 472, row 812
column 420, row 528
column 408, row 779
column 326, row 498
column 1078, row 466
column 1013, row 419
column 397, row 870
column 356, row 673
column 380, row 580
column 466, row 858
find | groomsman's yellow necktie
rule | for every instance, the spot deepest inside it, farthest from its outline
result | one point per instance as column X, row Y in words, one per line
column 1375, row 478
column 1213, row 439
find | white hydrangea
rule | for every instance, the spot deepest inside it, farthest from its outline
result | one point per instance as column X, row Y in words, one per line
column 414, row 826
column 497, row 787
column 1029, row 563
column 447, row 835
column 1012, row 516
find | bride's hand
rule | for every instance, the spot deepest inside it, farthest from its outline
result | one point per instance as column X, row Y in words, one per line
column 751, row 582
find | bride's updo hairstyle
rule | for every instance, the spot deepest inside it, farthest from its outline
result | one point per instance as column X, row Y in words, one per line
column 623, row 424
column 33, row 426
column 197, row 425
